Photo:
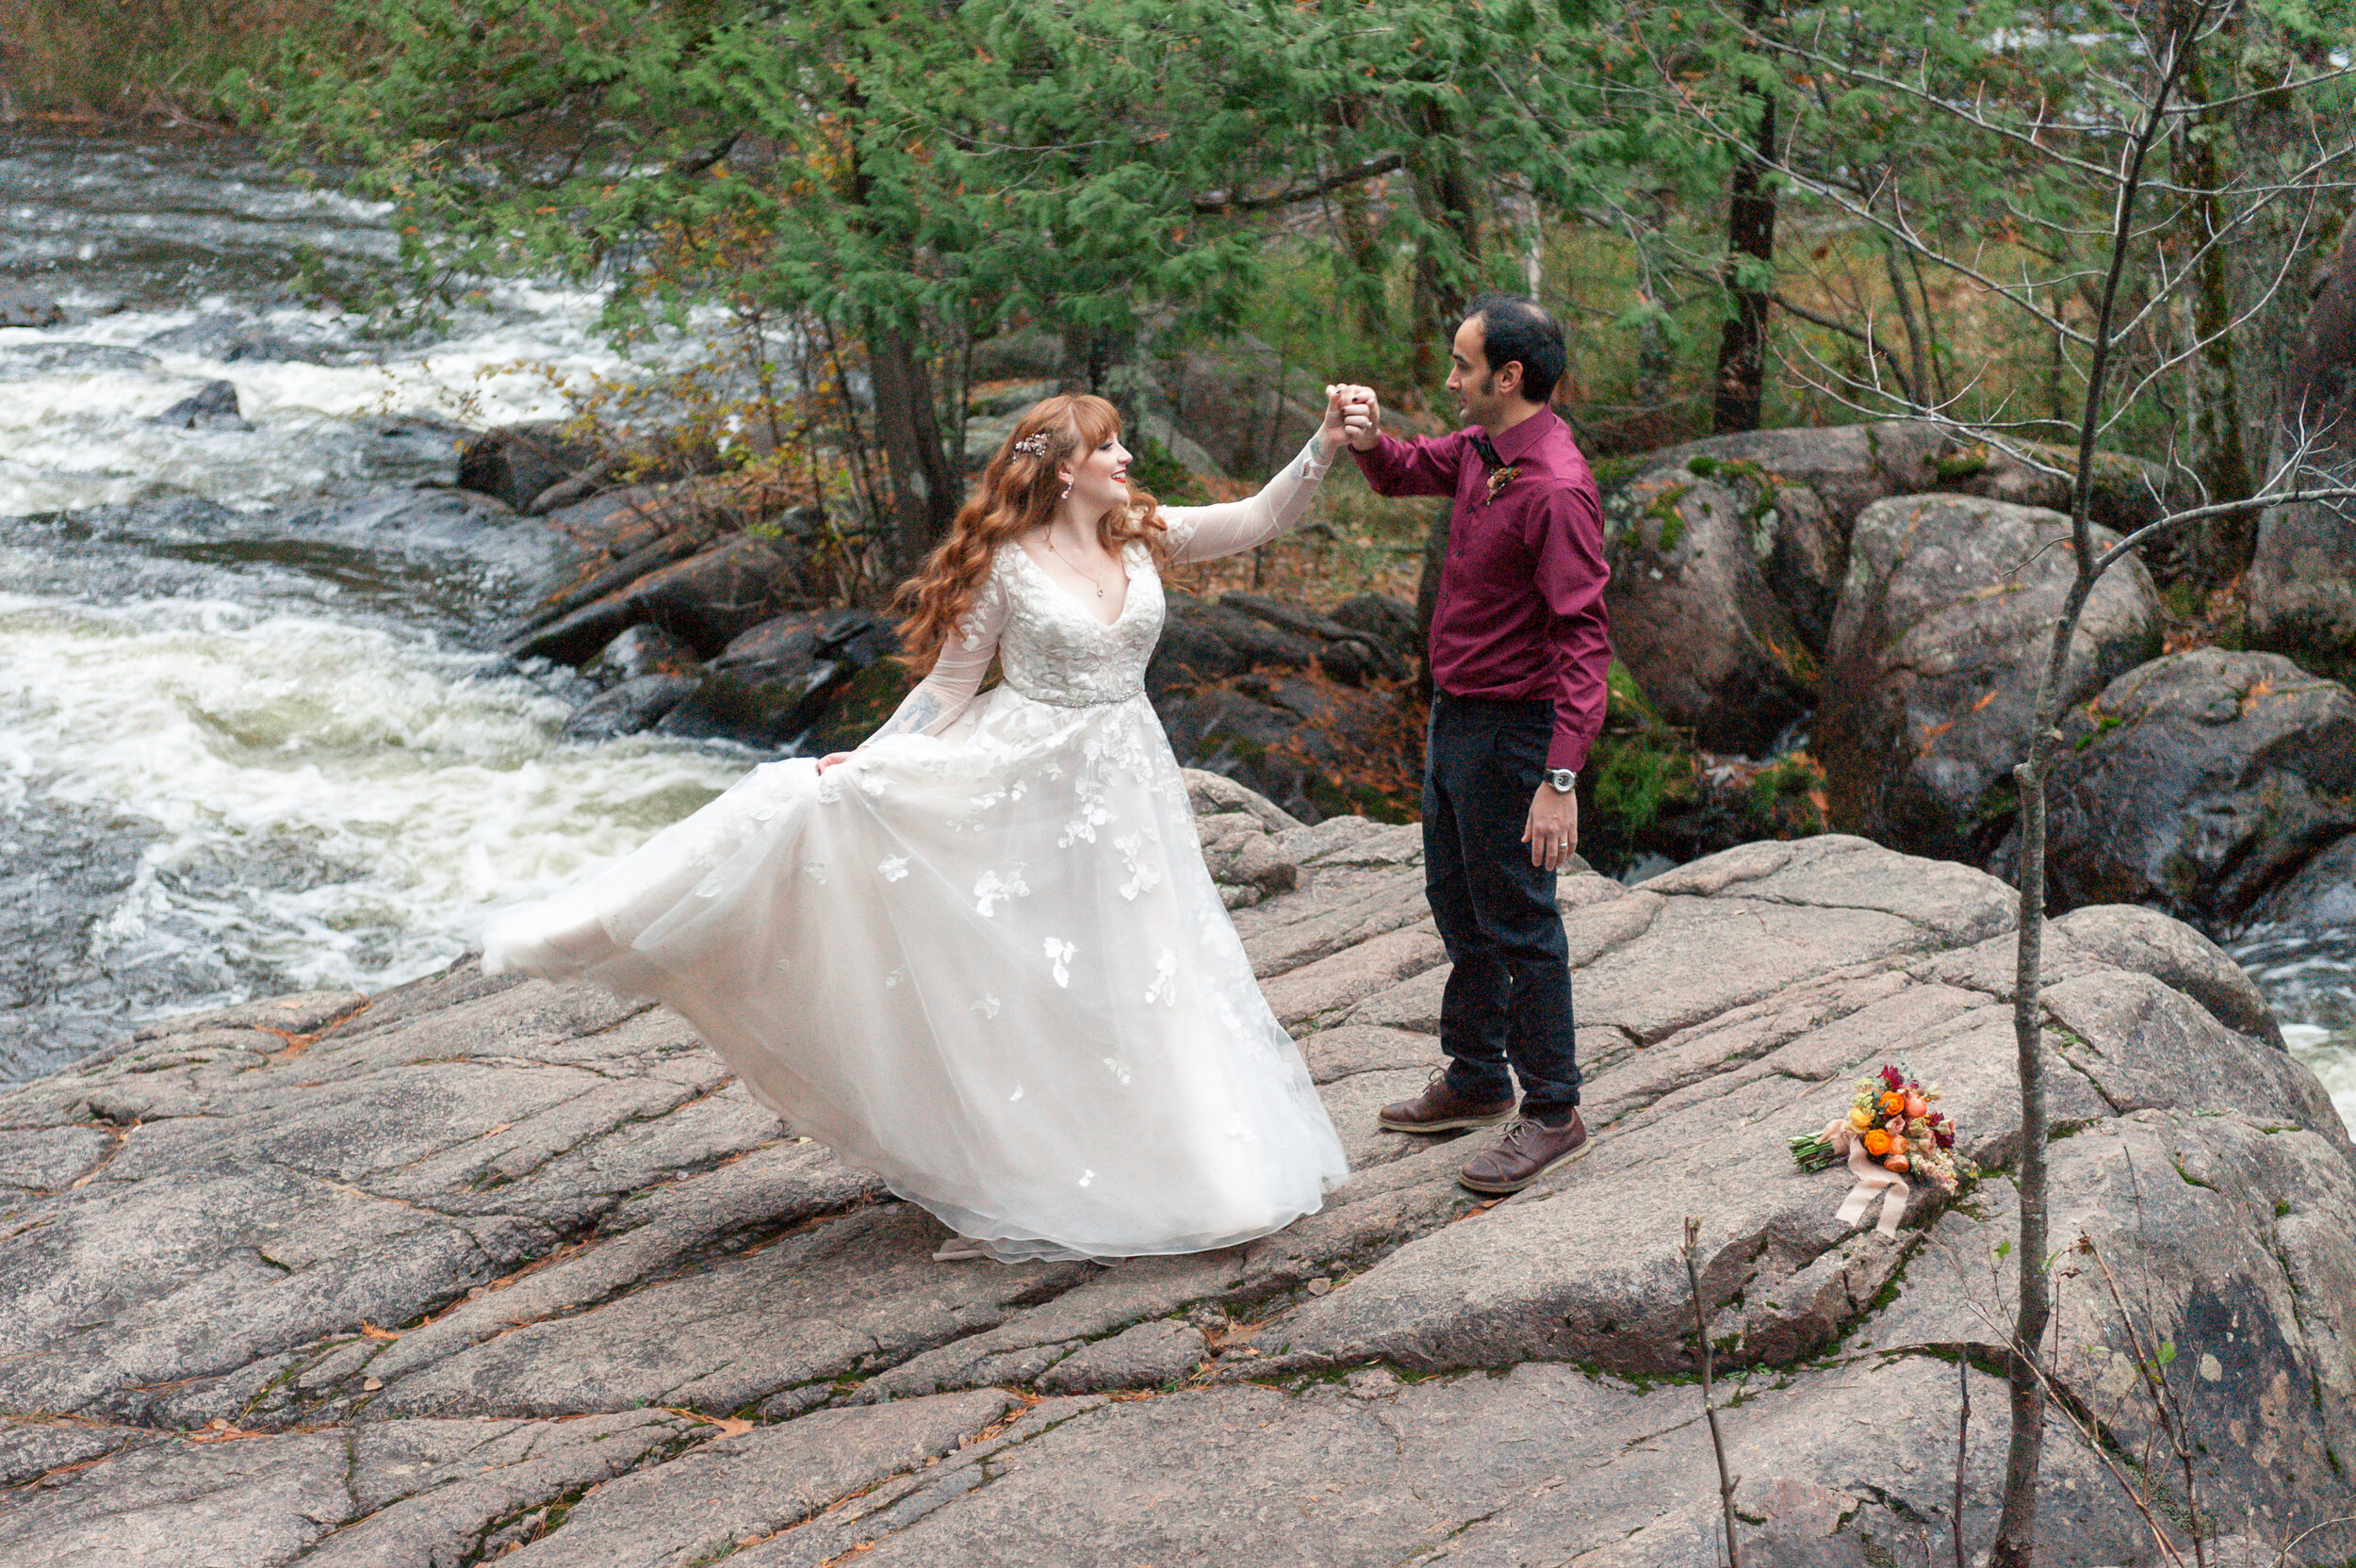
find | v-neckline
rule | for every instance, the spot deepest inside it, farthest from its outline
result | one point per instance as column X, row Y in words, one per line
column 1128, row 587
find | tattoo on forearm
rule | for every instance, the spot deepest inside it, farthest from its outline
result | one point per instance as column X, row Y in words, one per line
column 921, row 708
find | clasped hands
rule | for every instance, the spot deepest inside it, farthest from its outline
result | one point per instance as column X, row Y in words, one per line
column 1352, row 414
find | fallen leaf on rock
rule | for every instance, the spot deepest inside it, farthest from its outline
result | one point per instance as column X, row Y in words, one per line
column 371, row 1385
column 730, row 1426
column 372, row 1331
column 494, row 1131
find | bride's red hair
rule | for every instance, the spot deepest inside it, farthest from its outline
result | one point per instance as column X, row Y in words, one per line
column 1017, row 492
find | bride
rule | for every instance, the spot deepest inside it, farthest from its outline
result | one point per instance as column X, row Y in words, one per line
column 981, row 955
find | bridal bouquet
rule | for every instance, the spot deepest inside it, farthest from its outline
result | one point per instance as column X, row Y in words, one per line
column 1894, row 1129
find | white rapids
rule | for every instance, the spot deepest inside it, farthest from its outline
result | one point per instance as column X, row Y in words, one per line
column 236, row 758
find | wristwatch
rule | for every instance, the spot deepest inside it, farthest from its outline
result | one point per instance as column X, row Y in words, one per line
column 1563, row 780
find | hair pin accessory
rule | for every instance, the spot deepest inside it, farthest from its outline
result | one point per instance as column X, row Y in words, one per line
column 1034, row 443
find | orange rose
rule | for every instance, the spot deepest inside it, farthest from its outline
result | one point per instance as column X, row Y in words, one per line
column 1877, row 1143
column 1896, row 1163
column 1893, row 1102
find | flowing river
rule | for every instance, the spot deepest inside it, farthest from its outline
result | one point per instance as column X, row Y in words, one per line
column 254, row 740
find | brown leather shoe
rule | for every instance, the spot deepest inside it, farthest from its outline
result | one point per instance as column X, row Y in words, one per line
column 1528, row 1152
column 1441, row 1109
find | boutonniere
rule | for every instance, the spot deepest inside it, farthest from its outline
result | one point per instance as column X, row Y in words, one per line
column 1500, row 478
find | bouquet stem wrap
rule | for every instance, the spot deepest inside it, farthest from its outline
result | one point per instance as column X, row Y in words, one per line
column 1871, row 1178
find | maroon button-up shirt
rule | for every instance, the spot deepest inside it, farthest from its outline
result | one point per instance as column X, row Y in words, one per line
column 1520, row 612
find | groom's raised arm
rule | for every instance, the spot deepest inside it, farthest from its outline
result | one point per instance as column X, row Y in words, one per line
column 1428, row 466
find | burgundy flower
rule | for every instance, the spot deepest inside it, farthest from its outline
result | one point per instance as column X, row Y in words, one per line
column 1946, row 1137
column 1890, row 1078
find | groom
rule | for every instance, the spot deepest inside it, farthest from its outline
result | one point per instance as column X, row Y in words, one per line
column 1518, row 653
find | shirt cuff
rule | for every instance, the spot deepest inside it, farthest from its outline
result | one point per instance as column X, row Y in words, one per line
column 1569, row 749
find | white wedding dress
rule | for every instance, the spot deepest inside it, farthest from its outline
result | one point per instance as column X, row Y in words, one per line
column 982, row 957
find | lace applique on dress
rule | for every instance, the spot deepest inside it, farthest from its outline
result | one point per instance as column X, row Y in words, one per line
column 1164, row 986
column 974, row 626
column 992, row 890
column 1059, row 954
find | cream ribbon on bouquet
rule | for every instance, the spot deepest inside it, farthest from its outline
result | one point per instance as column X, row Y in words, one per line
column 1871, row 1178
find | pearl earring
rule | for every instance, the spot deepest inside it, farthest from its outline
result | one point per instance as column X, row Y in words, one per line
column 1065, row 491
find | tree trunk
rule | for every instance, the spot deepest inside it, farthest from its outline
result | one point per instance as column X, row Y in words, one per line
column 1359, row 263
column 2270, row 129
column 1444, row 195
column 1742, row 387
column 923, row 486
column 2218, row 457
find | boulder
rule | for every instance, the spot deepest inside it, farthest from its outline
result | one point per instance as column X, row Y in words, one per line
column 1385, row 620
column 2321, row 896
column 1692, row 615
column 21, row 306
column 1204, row 642
column 2198, row 781
column 482, row 1267
column 1347, row 655
column 2301, row 581
column 2302, row 585
column 2128, row 493
column 772, row 683
column 1316, row 747
column 704, row 601
column 19, row 360
column 629, row 707
column 861, row 704
column 1848, row 467
column 1241, row 403
column 212, row 407
column 231, row 338
column 1930, row 679
column 642, row 651
column 516, row 463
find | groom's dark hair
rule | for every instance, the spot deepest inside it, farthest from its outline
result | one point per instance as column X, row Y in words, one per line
column 1513, row 327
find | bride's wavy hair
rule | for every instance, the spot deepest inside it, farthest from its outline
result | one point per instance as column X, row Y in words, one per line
column 1017, row 491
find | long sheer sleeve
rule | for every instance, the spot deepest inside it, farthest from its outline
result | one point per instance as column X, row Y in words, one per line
column 957, row 675
column 1203, row 532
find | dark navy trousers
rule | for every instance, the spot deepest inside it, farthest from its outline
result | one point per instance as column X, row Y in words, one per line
column 1507, row 1002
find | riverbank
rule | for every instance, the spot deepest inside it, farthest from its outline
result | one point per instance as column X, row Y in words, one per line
column 477, row 1266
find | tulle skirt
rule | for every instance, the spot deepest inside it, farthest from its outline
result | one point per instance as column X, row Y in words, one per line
column 989, row 966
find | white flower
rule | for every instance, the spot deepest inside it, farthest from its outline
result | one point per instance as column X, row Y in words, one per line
column 816, row 871
column 873, row 783
column 1119, row 1069
column 1164, row 986
column 892, row 980
column 993, row 888
column 1087, row 1176
column 1058, row 955
column 829, row 788
column 894, row 867
column 1016, row 1095
column 988, row 1006
column 1143, row 876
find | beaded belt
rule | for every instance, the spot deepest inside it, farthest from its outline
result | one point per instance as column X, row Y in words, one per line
column 1079, row 702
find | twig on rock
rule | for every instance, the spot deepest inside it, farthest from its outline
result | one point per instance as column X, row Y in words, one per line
column 1726, row 1483
column 1963, row 1430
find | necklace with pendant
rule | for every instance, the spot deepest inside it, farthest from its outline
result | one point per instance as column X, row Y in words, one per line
column 1082, row 570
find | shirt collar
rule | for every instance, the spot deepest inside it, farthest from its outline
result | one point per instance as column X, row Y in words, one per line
column 1517, row 443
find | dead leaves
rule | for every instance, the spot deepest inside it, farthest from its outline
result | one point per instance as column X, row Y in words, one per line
column 730, row 1426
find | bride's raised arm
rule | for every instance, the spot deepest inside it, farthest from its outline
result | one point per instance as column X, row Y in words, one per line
column 1204, row 532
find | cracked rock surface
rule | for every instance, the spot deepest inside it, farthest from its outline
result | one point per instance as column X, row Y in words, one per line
column 480, row 1269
